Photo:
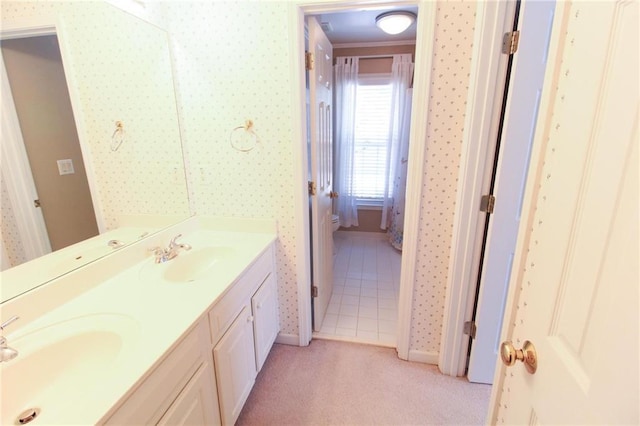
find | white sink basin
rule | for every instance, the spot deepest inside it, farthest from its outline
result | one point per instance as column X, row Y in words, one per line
column 189, row 266
column 61, row 363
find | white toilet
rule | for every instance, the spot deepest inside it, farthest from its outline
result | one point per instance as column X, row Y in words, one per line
column 335, row 220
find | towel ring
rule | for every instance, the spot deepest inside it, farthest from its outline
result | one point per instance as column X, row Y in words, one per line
column 118, row 136
column 244, row 138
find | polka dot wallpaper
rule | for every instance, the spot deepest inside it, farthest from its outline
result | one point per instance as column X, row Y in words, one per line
column 446, row 114
column 238, row 69
column 228, row 73
column 121, row 70
column 10, row 234
column 124, row 74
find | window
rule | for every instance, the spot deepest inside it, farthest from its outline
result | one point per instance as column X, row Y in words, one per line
column 371, row 138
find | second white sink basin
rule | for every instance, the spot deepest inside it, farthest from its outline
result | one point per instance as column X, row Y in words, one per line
column 188, row 266
column 58, row 364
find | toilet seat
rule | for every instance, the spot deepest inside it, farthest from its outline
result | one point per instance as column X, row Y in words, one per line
column 335, row 220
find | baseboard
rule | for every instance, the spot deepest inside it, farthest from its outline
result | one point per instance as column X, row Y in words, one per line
column 288, row 339
column 424, row 357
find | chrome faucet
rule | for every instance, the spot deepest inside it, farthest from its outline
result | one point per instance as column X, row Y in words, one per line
column 7, row 353
column 166, row 254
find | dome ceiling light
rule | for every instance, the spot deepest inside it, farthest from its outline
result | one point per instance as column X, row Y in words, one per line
column 395, row 22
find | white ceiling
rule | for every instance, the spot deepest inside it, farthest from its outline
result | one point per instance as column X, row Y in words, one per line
column 359, row 26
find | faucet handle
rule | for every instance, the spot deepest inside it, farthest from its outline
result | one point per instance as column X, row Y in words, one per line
column 172, row 243
column 9, row 321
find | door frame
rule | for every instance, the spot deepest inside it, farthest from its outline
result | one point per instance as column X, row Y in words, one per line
column 486, row 88
column 18, row 179
column 425, row 38
column 40, row 26
column 21, row 186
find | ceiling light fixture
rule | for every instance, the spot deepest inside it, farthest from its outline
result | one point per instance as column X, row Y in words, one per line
column 395, row 22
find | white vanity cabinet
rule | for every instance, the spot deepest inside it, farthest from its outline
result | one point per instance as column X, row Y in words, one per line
column 235, row 365
column 180, row 390
column 209, row 374
column 240, row 349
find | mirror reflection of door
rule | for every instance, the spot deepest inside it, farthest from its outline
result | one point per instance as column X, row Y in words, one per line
column 41, row 97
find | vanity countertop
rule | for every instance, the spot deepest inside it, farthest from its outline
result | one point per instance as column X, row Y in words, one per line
column 124, row 303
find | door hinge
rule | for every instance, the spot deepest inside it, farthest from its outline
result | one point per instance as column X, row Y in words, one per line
column 487, row 203
column 314, row 291
column 312, row 187
column 308, row 60
column 469, row 329
column 510, row 42
column 36, row 203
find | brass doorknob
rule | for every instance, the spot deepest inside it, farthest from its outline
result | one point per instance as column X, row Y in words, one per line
column 333, row 194
column 527, row 354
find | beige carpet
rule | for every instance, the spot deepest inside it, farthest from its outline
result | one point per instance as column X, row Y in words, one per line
column 339, row 383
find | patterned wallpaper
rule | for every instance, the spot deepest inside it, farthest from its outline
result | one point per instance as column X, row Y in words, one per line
column 123, row 72
column 238, row 69
column 8, row 227
column 235, row 70
column 446, row 114
column 145, row 175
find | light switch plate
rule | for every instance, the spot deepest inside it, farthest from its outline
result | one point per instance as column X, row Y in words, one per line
column 65, row 167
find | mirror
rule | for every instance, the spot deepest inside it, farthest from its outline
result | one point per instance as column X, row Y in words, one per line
column 118, row 70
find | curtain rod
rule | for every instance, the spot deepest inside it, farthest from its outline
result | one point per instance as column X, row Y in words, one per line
column 374, row 56
column 389, row 55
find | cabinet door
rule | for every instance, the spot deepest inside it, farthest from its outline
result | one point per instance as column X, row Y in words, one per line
column 197, row 404
column 266, row 326
column 235, row 366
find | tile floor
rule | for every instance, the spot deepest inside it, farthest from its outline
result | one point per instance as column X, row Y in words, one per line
column 364, row 303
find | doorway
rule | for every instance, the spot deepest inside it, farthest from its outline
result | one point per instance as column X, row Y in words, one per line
column 44, row 132
column 490, row 19
column 362, row 300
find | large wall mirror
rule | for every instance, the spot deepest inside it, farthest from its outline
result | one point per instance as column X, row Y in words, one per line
column 122, row 108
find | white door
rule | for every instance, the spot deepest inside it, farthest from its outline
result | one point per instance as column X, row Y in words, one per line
column 527, row 76
column 320, row 119
column 575, row 292
column 18, row 179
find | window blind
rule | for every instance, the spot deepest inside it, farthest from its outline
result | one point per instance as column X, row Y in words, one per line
column 371, row 139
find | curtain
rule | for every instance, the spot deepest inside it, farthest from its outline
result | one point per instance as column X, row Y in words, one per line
column 396, row 213
column 395, row 184
column 345, row 85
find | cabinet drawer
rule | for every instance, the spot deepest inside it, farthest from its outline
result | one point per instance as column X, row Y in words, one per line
column 149, row 401
column 223, row 313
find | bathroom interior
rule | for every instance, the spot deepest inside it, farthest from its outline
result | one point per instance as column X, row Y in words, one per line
column 162, row 163
column 191, row 254
column 368, row 210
